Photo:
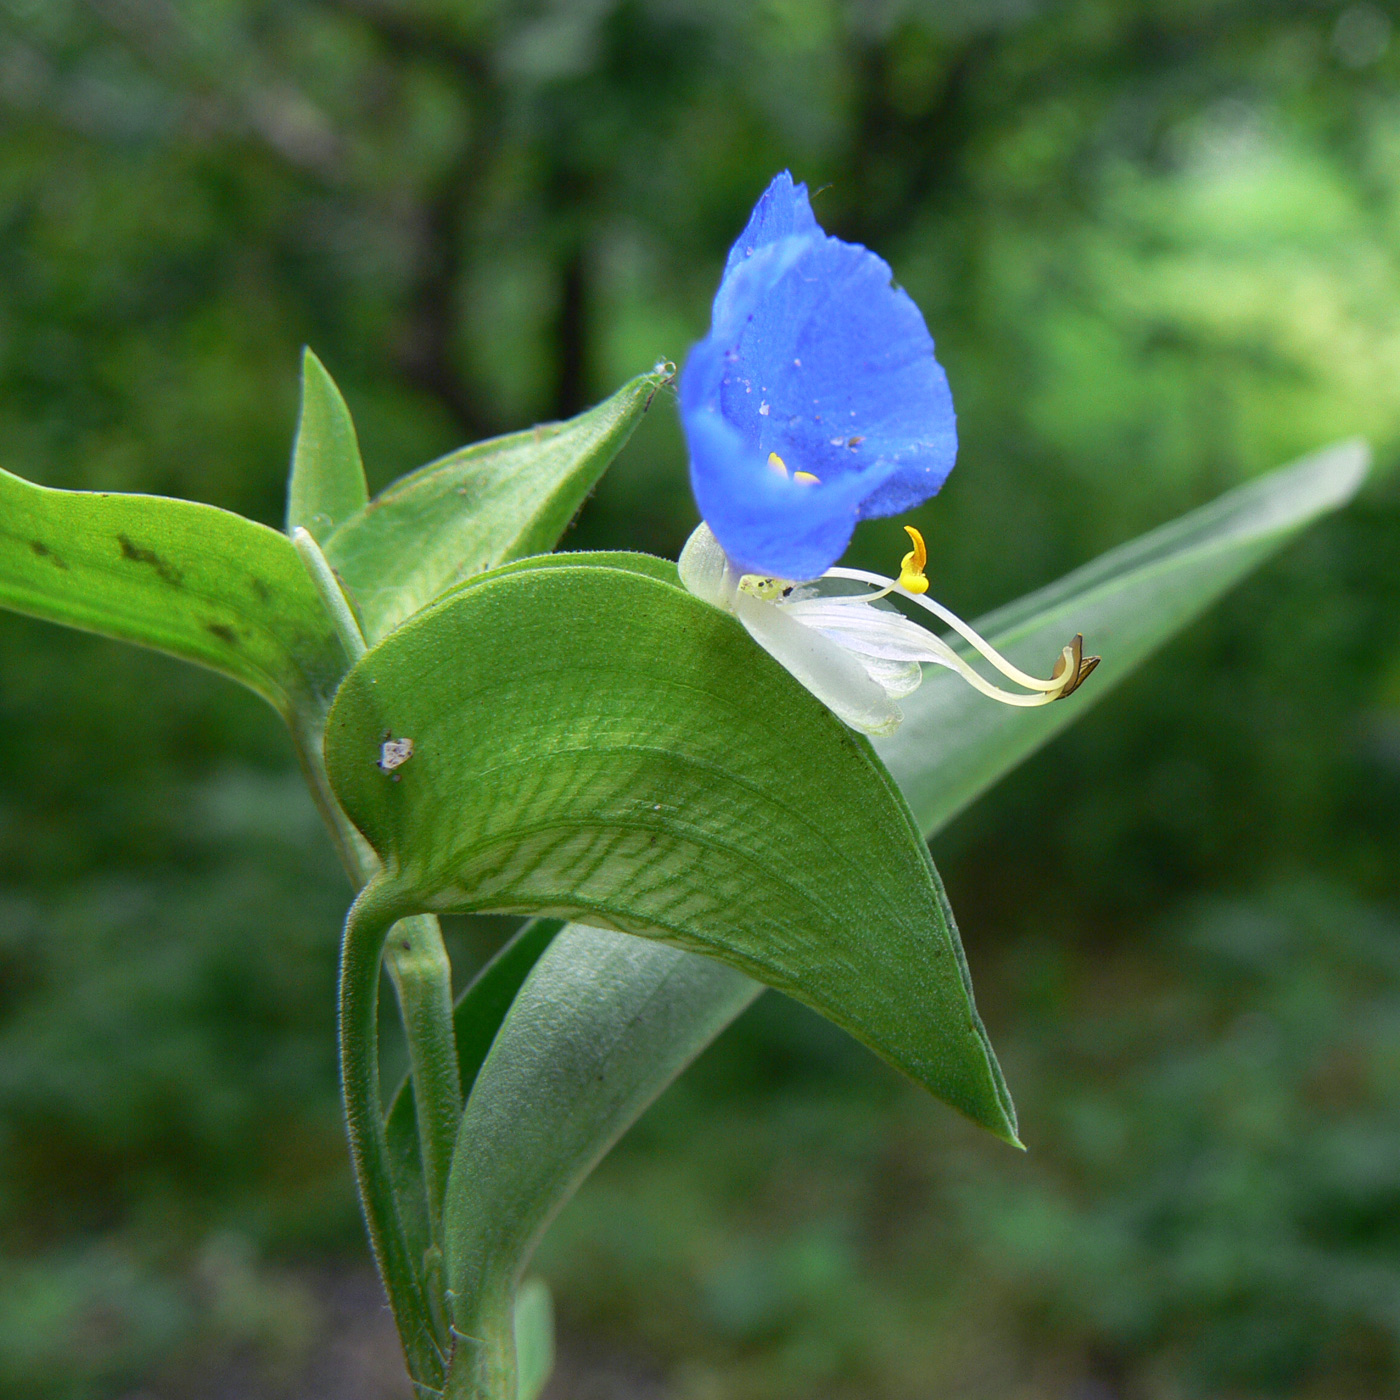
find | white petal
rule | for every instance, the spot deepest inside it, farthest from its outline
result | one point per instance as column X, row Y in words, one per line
column 871, row 631
column 859, row 685
column 896, row 678
column 705, row 569
column 831, row 673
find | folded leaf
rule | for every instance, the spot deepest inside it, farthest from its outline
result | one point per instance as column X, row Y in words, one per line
column 953, row 745
column 590, row 741
column 200, row 583
column 327, row 485
column 479, row 507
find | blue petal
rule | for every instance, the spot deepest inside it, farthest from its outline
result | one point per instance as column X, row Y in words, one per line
column 782, row 210
column 767, row 524
column 813, row 354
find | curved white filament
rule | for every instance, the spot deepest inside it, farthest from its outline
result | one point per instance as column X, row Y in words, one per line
column 967, row 633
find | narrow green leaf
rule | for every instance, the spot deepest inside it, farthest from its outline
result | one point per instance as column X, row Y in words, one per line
column 200, row 583
column 484, row 1004
column 603, row 1024
column 534, row 1337
column 479, row 507
column 590, row 741
column 327, row 485
column 954, row 744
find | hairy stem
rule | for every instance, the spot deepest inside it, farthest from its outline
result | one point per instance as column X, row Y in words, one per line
column 374, row 913
column 421, row 972
column 417, row 960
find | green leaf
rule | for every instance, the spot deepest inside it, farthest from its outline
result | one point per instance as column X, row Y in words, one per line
column 200, row 583
column 954, row 744
column 327, row 485
column 479, row 507
column 593, row 742
column 534, row 1337
column 603, row 1024
column 484, row 1004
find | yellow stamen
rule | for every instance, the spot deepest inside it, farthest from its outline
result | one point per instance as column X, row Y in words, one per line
column 911, row 567
column 776, row 464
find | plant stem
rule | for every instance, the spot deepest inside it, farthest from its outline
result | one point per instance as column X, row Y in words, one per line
column 373, row 914
column 422, row 977
column 421, row 972
column 483, row 1365
column 417, row 961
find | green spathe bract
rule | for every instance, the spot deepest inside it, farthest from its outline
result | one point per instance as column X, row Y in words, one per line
column 482, row 506
column 592, row 742
column 327, row 484
column 589, row 740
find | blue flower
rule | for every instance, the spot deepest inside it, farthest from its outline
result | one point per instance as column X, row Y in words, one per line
column 815, row 401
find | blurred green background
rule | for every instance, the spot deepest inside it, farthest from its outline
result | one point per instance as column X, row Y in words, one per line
column 1158, row 244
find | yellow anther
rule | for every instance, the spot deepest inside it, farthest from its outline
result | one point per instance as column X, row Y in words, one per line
column 776, row 464
column 911, row 567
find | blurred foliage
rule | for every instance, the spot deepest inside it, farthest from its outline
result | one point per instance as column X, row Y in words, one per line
column 1159, row 247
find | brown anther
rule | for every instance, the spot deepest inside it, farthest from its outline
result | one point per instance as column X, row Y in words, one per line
column 1069, row 657
column 1073, row 658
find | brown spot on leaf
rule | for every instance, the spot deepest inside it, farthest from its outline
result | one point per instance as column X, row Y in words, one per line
column 224, row 634
column 44, row 552
column 140, row 555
